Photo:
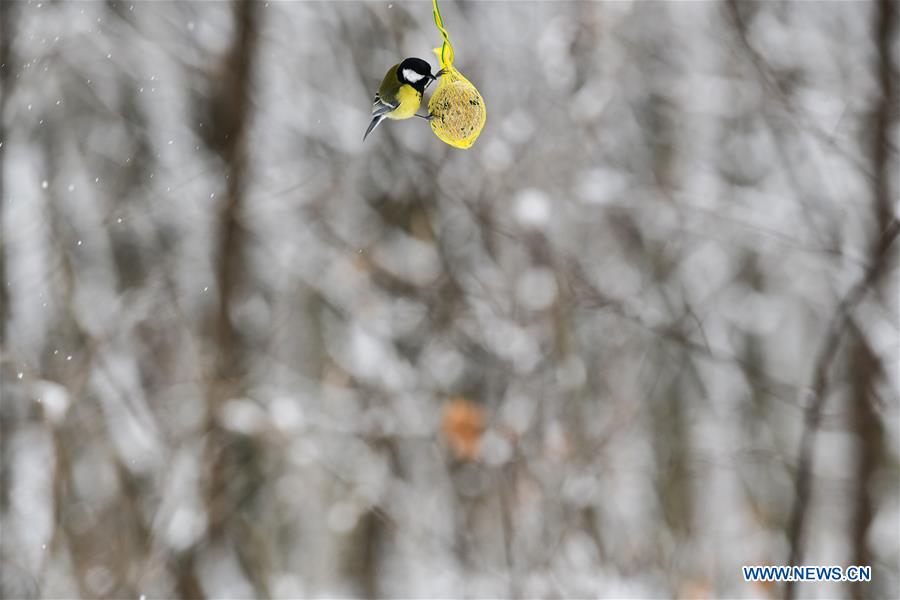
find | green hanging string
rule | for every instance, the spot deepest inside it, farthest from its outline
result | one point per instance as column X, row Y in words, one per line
column 446, row 48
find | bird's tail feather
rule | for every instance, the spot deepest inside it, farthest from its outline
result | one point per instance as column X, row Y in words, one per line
column 375, row 121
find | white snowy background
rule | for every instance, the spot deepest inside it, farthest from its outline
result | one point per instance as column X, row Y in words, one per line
column 234, row 336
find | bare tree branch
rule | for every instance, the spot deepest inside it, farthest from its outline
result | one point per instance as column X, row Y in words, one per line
column 828, row 350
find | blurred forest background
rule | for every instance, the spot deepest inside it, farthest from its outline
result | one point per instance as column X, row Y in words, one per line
column 645, row 331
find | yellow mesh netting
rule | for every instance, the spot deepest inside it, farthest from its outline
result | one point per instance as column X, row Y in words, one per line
column 457, row 107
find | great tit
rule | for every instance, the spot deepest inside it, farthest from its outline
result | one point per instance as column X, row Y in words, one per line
column 400, row 94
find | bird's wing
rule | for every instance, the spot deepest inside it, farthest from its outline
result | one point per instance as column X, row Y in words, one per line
column 382, row 107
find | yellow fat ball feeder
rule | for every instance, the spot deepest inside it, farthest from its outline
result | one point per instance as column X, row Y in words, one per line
column 457, row 109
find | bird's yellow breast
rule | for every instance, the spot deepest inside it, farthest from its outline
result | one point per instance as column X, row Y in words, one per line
column 409, row 100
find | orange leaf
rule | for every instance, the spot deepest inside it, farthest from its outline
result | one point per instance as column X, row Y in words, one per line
column 462, row 426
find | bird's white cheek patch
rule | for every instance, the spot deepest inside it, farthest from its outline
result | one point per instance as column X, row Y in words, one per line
column 411, row 76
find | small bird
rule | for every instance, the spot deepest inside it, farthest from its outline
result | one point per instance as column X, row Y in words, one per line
column 400, row 94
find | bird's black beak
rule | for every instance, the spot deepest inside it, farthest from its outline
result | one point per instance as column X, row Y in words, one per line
column 433, row 77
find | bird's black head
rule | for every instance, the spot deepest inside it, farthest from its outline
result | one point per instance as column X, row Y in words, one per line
column 416, row 72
